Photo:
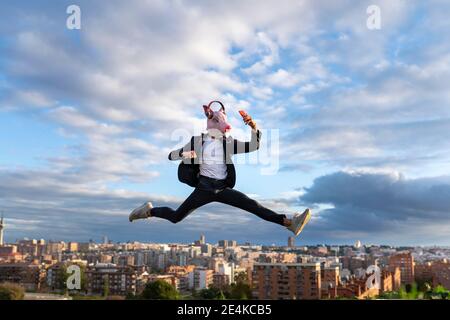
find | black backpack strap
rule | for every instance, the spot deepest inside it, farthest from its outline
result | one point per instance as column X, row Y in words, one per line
column 224, row 143
column 192, row 148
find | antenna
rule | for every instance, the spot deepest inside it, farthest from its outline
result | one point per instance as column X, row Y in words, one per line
column 2, row 226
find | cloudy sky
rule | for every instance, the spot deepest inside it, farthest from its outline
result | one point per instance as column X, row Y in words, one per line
column 355, row 121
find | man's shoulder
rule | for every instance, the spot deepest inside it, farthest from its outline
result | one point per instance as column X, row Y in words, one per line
column 197, row 138
column 229, row 139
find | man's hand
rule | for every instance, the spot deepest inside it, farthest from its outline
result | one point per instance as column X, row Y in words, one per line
column 189, row 155
column 247, row 119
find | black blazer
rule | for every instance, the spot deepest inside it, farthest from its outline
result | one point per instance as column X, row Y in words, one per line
column 188, row 170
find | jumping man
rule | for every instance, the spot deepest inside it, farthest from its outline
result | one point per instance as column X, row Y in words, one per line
column 207, row 166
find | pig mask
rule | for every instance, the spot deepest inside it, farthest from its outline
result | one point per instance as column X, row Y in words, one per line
column 217, row 120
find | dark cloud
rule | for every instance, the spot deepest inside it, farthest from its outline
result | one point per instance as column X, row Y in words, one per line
column 381, row 206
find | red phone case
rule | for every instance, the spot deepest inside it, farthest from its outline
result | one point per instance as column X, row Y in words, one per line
column 243, row 113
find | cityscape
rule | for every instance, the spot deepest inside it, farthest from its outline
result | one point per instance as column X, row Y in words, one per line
column 224, row 270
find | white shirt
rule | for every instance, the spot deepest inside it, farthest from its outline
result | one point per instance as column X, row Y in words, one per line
column 213, row 162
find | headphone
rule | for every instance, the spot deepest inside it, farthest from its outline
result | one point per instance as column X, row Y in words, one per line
column 209, row 114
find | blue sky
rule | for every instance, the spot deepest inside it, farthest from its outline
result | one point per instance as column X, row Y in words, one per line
column 358, row 119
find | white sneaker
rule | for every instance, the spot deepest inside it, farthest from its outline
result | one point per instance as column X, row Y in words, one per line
column 299, row 221
column 143, row 212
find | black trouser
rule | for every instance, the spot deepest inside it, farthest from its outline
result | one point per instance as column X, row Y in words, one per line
column 212, row 190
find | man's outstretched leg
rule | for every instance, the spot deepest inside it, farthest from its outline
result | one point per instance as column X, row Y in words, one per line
column 195, row 200
column 240, row 200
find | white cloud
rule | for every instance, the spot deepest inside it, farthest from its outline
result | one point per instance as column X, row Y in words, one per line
column 282, row 78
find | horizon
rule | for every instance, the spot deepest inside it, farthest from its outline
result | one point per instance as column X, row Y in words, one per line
column 111, row 241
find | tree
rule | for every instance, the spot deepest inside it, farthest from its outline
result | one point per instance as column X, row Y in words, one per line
column 440, row 293
column 11, row 291
column 411, row 292
column 221, row 296
column 62, row 277
column 106, row 286
column 389, row 295
column 241, row 289
column 160, row 290
column 211, row 293
column 131, row 296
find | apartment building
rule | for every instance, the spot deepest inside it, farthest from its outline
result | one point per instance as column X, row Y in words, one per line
column 287, row 281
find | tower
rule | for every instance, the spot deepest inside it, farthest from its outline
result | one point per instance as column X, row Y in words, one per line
column 2, row 226
column 291, row 242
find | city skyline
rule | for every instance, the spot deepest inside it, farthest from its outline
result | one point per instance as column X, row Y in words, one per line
column 227, row 269
column 358, row 116
column 104, row 239
column 298, row 243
